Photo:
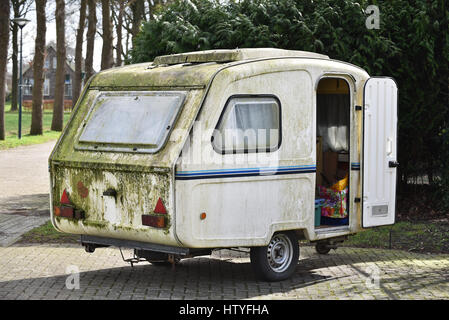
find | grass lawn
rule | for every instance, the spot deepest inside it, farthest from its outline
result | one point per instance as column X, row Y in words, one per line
column 11, row 128
column 48, row 234
column 430, row 236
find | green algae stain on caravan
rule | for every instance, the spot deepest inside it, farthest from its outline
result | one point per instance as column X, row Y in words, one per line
column 145, row 162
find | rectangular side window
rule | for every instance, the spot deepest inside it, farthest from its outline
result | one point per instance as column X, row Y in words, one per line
column 249, row 124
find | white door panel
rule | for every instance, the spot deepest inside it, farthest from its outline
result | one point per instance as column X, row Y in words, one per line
column 379, row 152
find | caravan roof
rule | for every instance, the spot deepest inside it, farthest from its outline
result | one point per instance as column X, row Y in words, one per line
column 226, row 55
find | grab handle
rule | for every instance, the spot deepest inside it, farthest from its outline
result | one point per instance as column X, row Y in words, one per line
column 110, row 192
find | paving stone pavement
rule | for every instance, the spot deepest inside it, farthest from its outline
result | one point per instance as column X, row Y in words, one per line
column 13, row 226
column 24, row 187
column 41, row 272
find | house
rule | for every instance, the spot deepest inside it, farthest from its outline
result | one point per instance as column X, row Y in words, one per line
column 50, row 79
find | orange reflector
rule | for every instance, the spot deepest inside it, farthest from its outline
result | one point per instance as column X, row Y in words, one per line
column 153, row 221
column 160, row 208
column 203, row 215
column 65, row 198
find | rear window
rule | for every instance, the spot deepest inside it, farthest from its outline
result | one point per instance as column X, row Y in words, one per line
column 130, row 121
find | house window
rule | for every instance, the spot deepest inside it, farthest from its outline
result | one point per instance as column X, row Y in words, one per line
column 68, row 90
column 46, row 87
column 67, row 86
column 28, row 86
column 47, row 63
column 54, row 62
column 249, row 124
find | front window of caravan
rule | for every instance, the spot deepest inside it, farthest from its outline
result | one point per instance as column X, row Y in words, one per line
column 131, row 121
column 249, row 124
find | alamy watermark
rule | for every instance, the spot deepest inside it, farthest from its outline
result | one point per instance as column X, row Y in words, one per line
column 72, row 282
column 372, row 281
column 373, row 20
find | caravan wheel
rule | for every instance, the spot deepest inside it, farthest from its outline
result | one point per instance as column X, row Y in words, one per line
column 277, row 260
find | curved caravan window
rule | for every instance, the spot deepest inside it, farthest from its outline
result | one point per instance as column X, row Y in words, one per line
column 249, row 124
column 130, row 121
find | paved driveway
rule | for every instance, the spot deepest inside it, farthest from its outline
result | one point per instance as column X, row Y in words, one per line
column 24, row 188
column 43, row 272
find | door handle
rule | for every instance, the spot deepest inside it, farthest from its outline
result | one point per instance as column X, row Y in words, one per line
column 393, row 164
column 110, row 192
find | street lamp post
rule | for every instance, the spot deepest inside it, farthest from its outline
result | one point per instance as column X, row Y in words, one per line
column 21, row 22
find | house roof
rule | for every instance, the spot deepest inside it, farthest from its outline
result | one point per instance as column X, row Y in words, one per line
column 69, row 60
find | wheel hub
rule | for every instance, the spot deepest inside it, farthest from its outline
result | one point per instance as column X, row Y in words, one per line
column 279, row 253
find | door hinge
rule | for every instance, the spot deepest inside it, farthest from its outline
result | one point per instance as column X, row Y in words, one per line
column 356, row 200
column 358, row 108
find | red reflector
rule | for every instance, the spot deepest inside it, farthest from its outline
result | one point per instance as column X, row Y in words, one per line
column 160, row 208
column 65, row 198
column 153, row 221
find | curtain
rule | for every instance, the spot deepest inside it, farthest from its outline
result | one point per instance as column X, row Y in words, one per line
column 333, row 121
column 251, row 125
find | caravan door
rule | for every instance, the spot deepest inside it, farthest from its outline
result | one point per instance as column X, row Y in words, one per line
column 379, row 152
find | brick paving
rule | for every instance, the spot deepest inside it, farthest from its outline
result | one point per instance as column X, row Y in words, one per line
column 12, row 227
column 41, row 272
column 24, row 187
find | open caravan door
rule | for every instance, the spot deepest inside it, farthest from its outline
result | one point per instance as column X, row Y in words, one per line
column 379, row 152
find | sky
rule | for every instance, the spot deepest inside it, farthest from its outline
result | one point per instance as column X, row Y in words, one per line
column 72, row 17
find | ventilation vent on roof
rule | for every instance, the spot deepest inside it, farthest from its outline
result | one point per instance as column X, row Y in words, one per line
column 229, row 55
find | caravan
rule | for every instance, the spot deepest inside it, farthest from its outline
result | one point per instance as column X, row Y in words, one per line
column 255, row 148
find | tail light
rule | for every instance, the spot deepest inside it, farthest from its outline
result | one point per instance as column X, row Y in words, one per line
column 159, row 217
column 66, row 209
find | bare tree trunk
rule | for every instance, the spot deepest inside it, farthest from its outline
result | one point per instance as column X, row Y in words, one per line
column 119, row 47
column 58, row 107
column 79, row 54
column 107, row 59
column 90, row 37
column 38, row 68
column 4, row 42
column 138, row 14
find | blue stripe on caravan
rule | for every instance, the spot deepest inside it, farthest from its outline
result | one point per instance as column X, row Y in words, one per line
column 355, row 166
column 243, row 172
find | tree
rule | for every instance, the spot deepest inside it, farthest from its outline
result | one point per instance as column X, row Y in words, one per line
column 38, row 68
column 90, row 37
column 4, row 42
column 19, row 8
column 79, row 53
column 107, row 59
column 58, row 107
column 118, row 6
column 138, row 15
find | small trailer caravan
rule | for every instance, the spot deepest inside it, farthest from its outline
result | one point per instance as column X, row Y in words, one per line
column 225, row 149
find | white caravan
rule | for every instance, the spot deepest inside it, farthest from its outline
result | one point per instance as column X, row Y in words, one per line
column 225, row 149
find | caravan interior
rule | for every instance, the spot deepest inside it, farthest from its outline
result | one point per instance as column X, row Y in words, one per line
column 332, row 132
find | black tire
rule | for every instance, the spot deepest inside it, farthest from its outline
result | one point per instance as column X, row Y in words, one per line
column 276, row 261
column 322, row 248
